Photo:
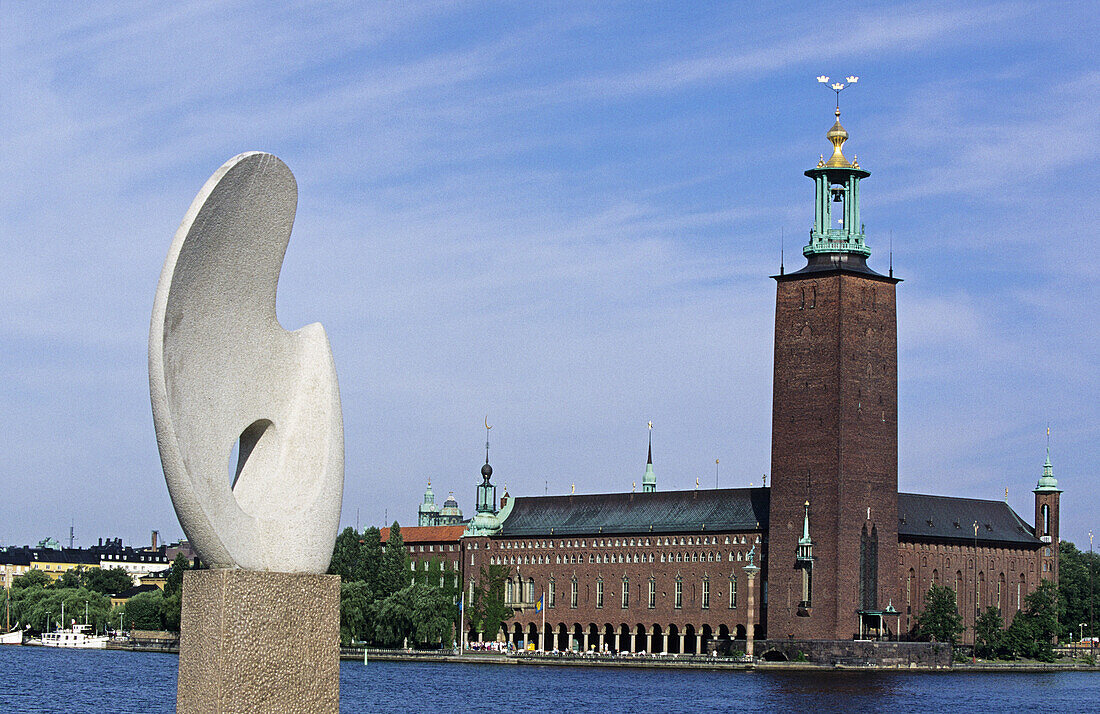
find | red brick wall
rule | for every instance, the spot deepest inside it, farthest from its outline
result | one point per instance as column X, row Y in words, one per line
column 834, row 443
column 702, row 555
column 1016, row 569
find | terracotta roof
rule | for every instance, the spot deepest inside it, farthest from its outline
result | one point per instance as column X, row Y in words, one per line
column 727, row 509
column 921, row 516
column 427, row 534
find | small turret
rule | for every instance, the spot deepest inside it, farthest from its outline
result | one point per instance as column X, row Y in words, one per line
column 428, row 512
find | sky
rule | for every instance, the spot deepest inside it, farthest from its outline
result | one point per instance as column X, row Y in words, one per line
column 561, row 217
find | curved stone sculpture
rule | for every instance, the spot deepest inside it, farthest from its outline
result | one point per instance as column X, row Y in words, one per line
column 222, row 371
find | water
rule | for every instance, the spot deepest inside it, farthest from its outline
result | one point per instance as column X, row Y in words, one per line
column 37, row 679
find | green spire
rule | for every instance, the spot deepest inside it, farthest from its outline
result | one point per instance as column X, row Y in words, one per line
column 837, row 182
column 1047, row 482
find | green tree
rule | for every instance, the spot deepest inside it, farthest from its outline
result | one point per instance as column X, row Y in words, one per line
column 393, row 617
column 145, row 611
column 173, row 593
column 31, row 578
column 174, row 582
column 1035, row 628
column 433, row 622
column 1078, row 586
column 108, row 581
column 394, row 575
column 989, row 634
column 356, row 616
column 72, row 578
column 371, row 554
column 940, row 619
column 41, row 607
column 488, row 612
column 437, row 577
column 347, row 556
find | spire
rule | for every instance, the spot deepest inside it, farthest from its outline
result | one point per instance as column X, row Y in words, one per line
column 485, row 521
column 805, row 544
column 1047, row 482
column 649, row 480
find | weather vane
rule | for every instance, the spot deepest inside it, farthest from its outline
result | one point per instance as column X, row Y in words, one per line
column 838, row 87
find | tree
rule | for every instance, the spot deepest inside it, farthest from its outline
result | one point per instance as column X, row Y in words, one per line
column 174, row 582
column 940, row 619
column 41, row 607
column 1077, row 588
column 371, row 554
column 109, row 581
column 72, row 578
column 145, row 611
column 173, row 593
column 356, row 621
column 1035, row 627
column 31, row 578
column 431, row 615
column 488, row 612
column 989, row 634
column 393, row 617
column 394, row 574
column 347, row 560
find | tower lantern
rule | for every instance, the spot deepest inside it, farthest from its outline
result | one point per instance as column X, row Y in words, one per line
column 837, row 231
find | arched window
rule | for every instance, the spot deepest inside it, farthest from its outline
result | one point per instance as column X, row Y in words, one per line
column 626, row 592
column 508, row 590
column 550, row 593
column 531, row 590
column 733, row 591
column 1046, row 519
column 679, row 603
column 573, row 593
column 706, row 594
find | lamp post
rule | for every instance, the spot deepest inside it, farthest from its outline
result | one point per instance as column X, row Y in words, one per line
column 1092, row 596
column 977, row 596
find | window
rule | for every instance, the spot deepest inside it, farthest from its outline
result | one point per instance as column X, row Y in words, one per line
column 733, row 591
column 679, row 593
column 706, row 594
column 550, row 593
column 573, row 593
column 508, row 590
column 652, row 593
column 626, row 593
column 599, row 593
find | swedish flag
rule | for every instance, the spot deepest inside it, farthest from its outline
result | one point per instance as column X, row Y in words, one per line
column 538, row 605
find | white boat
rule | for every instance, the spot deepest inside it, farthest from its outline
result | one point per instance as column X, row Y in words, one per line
column 15, row 637
column 77, row 636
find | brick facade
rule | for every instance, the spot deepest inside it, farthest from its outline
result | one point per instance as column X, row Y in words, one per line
column 834, row 444
column 582, row 579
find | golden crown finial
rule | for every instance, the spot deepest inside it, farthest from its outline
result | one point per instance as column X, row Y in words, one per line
column 837, row 135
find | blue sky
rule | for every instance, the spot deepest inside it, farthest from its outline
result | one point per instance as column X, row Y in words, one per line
column 562, row 216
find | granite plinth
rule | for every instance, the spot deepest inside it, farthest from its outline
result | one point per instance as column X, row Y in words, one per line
column 255, row 641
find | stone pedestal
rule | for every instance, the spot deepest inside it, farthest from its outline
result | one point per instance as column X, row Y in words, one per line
column 259, row 642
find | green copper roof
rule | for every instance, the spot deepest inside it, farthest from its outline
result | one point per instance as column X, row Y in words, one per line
column 1047, row 482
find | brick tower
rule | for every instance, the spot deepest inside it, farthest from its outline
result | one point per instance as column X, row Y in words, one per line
column 832, row 545
column 1047, row 495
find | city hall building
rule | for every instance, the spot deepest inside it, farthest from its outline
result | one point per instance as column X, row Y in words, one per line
column 829, row 551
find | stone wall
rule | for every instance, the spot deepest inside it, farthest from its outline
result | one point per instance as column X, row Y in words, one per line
column 857, row 653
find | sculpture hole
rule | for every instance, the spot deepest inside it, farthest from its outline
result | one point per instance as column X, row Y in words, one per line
column 243, row 447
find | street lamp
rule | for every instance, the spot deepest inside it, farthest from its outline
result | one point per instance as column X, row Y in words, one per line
column 977, row 596
column 1092, row 596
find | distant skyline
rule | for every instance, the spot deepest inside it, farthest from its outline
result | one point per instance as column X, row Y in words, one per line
column 563, row 217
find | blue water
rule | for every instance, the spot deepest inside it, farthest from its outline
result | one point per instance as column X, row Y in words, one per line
column 36, row 679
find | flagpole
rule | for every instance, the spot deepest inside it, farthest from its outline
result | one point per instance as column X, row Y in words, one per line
column 542, row 606
column 462, row 622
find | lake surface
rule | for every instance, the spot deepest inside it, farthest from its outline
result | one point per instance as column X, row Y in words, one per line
column 38, row 679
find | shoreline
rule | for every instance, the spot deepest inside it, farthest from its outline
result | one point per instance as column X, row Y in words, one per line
column 706, row 663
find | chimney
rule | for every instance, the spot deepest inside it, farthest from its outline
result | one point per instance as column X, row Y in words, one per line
column 155, row 534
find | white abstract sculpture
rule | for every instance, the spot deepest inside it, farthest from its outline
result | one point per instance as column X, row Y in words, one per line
column 222, row 371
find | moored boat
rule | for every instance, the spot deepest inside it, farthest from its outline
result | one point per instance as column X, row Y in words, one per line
column 77, row 636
